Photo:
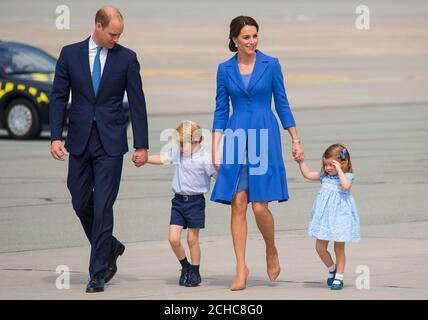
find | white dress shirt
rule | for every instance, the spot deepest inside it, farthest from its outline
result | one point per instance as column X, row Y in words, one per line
column 93, row 52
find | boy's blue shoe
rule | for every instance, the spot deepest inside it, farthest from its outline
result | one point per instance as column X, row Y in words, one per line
column 184, row 275
column 335, row 286
column 330, row 280
column 193, row 279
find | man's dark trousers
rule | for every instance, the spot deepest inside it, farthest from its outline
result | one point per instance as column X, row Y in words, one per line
column 93, row 181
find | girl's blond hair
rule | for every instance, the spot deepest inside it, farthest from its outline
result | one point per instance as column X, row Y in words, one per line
column 188, row 131
column 340, row 153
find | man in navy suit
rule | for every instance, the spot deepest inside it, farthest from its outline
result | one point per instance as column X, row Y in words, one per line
column 98, row 71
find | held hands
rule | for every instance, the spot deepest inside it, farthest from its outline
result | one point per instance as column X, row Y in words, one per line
column 216, row 160
column 216, row 163
column 58, row 151
column 298, row 153
column 140, row 157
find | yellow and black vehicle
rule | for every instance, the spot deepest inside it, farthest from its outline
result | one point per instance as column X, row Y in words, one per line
column 26, row 76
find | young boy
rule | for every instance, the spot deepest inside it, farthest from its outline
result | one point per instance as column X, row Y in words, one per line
column 191, row 180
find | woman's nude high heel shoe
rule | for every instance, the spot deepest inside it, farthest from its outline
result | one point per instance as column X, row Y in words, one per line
column 240, row 282
column 273, row 268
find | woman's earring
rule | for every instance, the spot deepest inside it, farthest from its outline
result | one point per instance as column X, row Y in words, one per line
column 236, row 45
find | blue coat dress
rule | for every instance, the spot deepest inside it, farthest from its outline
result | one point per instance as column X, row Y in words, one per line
column 251, row 114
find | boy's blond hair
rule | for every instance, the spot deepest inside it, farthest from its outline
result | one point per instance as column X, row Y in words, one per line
column 188, row 131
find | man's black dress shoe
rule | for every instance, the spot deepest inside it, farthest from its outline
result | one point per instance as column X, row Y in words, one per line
column 95, row 285
column 117, row 250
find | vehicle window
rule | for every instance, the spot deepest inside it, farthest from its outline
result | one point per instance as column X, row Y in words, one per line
column 24, row 59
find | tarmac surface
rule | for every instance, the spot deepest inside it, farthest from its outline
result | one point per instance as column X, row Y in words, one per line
column 364, row 88
column 39, row 230
column 383, row 266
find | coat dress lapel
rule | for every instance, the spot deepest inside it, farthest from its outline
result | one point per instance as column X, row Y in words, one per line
column 234, row 74
column 258, row 71
column 259, row 68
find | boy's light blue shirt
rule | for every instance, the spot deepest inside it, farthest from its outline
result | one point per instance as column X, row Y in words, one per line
column 192, row 174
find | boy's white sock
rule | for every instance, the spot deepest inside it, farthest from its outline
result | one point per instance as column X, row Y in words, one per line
column 331, row 270
column 338, row 278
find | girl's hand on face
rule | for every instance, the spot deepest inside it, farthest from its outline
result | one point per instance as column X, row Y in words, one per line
column 337, row 165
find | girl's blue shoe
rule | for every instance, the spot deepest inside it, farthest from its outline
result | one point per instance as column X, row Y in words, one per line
column 335, row 286
column 330, row 280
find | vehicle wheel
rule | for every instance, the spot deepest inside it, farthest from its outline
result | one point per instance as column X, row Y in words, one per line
column 22, row 120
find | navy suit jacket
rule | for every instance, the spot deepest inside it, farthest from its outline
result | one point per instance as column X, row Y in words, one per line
column 121, row 72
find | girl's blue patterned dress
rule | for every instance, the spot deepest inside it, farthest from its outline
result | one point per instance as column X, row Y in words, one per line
column 334, row 214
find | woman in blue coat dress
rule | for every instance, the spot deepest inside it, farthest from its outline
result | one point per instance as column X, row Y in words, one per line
column 251, row 168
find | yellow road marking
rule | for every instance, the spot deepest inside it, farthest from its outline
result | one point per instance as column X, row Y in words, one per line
column 290, row 77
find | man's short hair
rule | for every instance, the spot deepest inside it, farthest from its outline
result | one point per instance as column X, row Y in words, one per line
column 103, row 17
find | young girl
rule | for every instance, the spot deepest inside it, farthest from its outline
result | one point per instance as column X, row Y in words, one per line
column 334, row 215
column 191, row 180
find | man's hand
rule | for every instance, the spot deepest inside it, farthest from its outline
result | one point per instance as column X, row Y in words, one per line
column 140, row 157
column 58, row 151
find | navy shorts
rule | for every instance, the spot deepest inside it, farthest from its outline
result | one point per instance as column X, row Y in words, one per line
column 188, row 211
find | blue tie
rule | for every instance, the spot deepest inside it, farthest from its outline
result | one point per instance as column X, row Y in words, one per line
column 96, row 71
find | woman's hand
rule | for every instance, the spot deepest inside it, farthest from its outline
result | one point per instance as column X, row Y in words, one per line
column 296, row 147
column 216, row 161
column 215, row 153
column 297, row 151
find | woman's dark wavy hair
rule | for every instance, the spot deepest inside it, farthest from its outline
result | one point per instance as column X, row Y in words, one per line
column 235, row 28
